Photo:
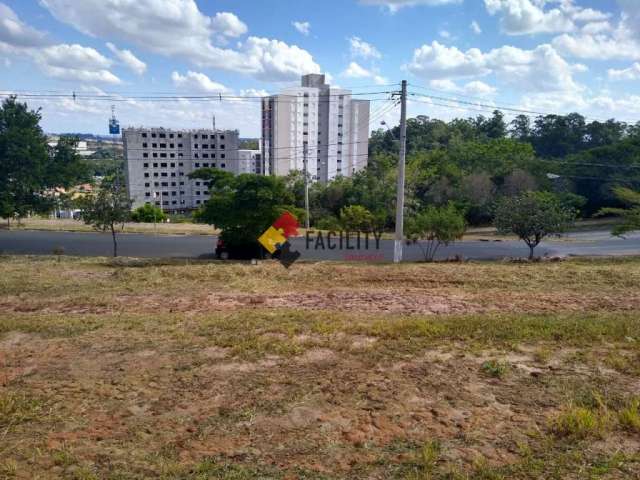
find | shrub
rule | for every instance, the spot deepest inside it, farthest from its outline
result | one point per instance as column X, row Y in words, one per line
column 438, row 226
column 148, row 214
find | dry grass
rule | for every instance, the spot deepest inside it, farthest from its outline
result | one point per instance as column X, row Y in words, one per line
column 143, row 369
column 70, row 225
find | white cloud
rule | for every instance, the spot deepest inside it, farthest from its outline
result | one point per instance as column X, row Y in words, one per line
column 540, row 69
column 228, row 25
column 354, row 70
column 362, row 49
column 444, row 34
column 177, row 28
column 16, row 33
column 302, row 27
column 395, row 5
column 475, row 88
column 475, row 27
column 598, row 47
column 74, row 62
column 522, row 17
column 127, row 58
column 631, row 73
column 197, row 82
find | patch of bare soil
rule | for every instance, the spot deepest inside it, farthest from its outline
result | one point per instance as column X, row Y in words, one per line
column 143, row 404
column 411, row 301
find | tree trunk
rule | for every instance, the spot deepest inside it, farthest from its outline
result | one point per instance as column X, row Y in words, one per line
column 531, row 247
column 115, row 242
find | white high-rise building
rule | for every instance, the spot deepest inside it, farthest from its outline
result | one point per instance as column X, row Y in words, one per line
column 328, row 121
column 158, row 163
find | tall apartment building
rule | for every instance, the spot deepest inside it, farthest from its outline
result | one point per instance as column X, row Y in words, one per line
column 328, row 121
column 159, row 161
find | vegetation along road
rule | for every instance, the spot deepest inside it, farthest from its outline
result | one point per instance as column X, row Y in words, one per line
column 193, row 246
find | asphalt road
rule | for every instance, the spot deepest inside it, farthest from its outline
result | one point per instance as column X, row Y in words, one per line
column 193, row 246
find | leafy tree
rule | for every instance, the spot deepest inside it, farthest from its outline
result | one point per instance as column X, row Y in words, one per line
column 108, row 209
column 532, row 216
column 23, row 160
column 148, row 214
column 28, row 168
column 630, row 216
column 356, row 217
column 243, row 207
column 438, row 226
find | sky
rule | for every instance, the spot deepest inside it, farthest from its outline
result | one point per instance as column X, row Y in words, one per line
column 547, row 56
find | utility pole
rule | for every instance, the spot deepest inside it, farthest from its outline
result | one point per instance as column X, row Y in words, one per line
column 305, row 160
column 399, row 237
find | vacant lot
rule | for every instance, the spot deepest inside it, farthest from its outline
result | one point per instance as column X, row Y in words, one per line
column 138, row 369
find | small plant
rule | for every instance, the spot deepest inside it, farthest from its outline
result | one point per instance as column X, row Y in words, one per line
column 629, row 416
column 580, row 422
column 16, row 409
column 495, row 368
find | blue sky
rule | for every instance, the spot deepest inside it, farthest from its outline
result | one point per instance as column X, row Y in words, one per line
column 551, row 56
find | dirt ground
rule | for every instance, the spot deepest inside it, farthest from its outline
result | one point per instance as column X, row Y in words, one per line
column 136, row 369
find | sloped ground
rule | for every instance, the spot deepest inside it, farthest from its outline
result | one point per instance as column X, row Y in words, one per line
column 146, row 370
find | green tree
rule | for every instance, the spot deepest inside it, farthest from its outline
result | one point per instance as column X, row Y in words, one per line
column 108, row 209
column 532, row 216
column 438, row 226
column 23, row 160
column 28, row 168
column 630, row 216
column 148, row 214
column 357, row 218
column 243, row 207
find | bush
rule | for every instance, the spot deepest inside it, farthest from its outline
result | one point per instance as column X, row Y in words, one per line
column 356, row 218
column 148, row 214
column 438, row 226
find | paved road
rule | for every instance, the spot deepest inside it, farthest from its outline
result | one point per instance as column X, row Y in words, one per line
column 193, row 246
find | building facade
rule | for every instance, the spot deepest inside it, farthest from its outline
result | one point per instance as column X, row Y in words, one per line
column 249, row 161
column 158, row 163
column 326, row 122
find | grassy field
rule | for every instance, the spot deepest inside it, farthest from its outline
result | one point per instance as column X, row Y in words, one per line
column 70, row 225
column 135, row 369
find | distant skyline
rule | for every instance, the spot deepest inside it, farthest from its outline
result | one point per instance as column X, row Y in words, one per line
column 553, row 56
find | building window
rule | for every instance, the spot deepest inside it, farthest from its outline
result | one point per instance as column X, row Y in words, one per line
column 147, row 194
column 163, row 155
column 222, row 165
column 155, row 155
column 222, row 147
column 172, row 155
column 162, row 135
column 163, row 174
column 180, row 155
column 205, row 145
column 156, row 184
column 198, row 202
column 195, row 145
column 197, row 165
column 204, row 137
column 206, row 165
column 165, row 184
column 205, row 155
column 163, row 145
column 144, row 135
column 171, row 135
column 195, row 136
column 144, row 145
column 221, row 137
column 146, row 175
column 222, row 155
column 179, row 145
column 179, row 135
column 197, row 192
column 145, row 155
column 155, row 165
column 173, row 174
column 195, row 155
column 180, row 164
column 197, row 184
column 153, row 135
column 163, row 165
column 155, row 174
